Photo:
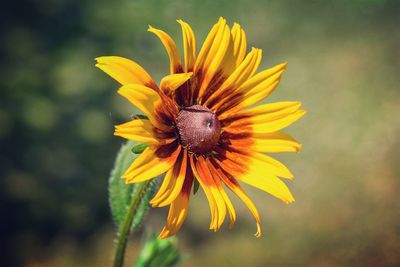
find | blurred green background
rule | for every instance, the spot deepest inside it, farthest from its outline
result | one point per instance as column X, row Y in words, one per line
column 57, row 114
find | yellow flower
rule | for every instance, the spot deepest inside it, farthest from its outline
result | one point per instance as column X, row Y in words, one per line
column 201, row 125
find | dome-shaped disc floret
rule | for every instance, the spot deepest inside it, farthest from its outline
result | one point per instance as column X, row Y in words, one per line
column 198, row 128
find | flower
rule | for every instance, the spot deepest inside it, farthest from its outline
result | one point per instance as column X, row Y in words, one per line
column 201, row 126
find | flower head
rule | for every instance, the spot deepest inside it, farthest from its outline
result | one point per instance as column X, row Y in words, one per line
column 201, row 124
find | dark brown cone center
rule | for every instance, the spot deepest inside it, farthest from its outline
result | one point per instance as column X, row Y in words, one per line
column 199, row 129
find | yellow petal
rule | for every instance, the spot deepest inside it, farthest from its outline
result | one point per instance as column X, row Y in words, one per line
column 239, row 43
column 138, row 130
column 124, row 71
column 189, row 46
column 276, row 142
column 274, row 166
column 173, row 81
column 176, row 215
column 145, row 99
column 174, row 181
column 245, row 70
column 262, row 80
column 172, row 50
column 249, row 204
column 269, row 111
column 270, row 184
column 277, row 124
column 152, row 162
column 205, row 49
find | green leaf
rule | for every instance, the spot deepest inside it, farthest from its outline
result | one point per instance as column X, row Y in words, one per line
column 139, row 148
column 120, row 194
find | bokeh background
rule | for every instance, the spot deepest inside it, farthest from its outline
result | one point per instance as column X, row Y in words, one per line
column 57, row 113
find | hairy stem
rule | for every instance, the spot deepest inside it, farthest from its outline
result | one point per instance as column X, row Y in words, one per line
column 124, row 229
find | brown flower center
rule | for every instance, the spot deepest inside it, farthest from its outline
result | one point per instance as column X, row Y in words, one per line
column 199, row 129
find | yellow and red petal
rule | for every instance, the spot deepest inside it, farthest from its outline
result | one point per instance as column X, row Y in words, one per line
column 215, row 60
column 125, row 71
column 148, row 101
column 229, row 205
column 175, row 64
column 189, row 46
column 259, row 171
column 215, row 199
column 173, row 182
column 263, row 119
column 178, row 209
column 276, row 142
column 254, row 90
column 240, row 75
column 154, row 160
column 234, row 186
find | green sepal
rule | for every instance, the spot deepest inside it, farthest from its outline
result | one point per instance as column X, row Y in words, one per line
column 139, row 116
column 196, row 186
column 139, row 148
column 159, row 253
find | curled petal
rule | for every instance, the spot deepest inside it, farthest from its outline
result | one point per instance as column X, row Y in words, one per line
column 189, row 46
column 172, row 50
column 171, row 82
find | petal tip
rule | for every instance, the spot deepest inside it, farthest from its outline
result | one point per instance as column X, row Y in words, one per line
column 258, row 234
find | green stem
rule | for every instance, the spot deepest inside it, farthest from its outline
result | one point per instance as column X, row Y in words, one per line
column 126, row 226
